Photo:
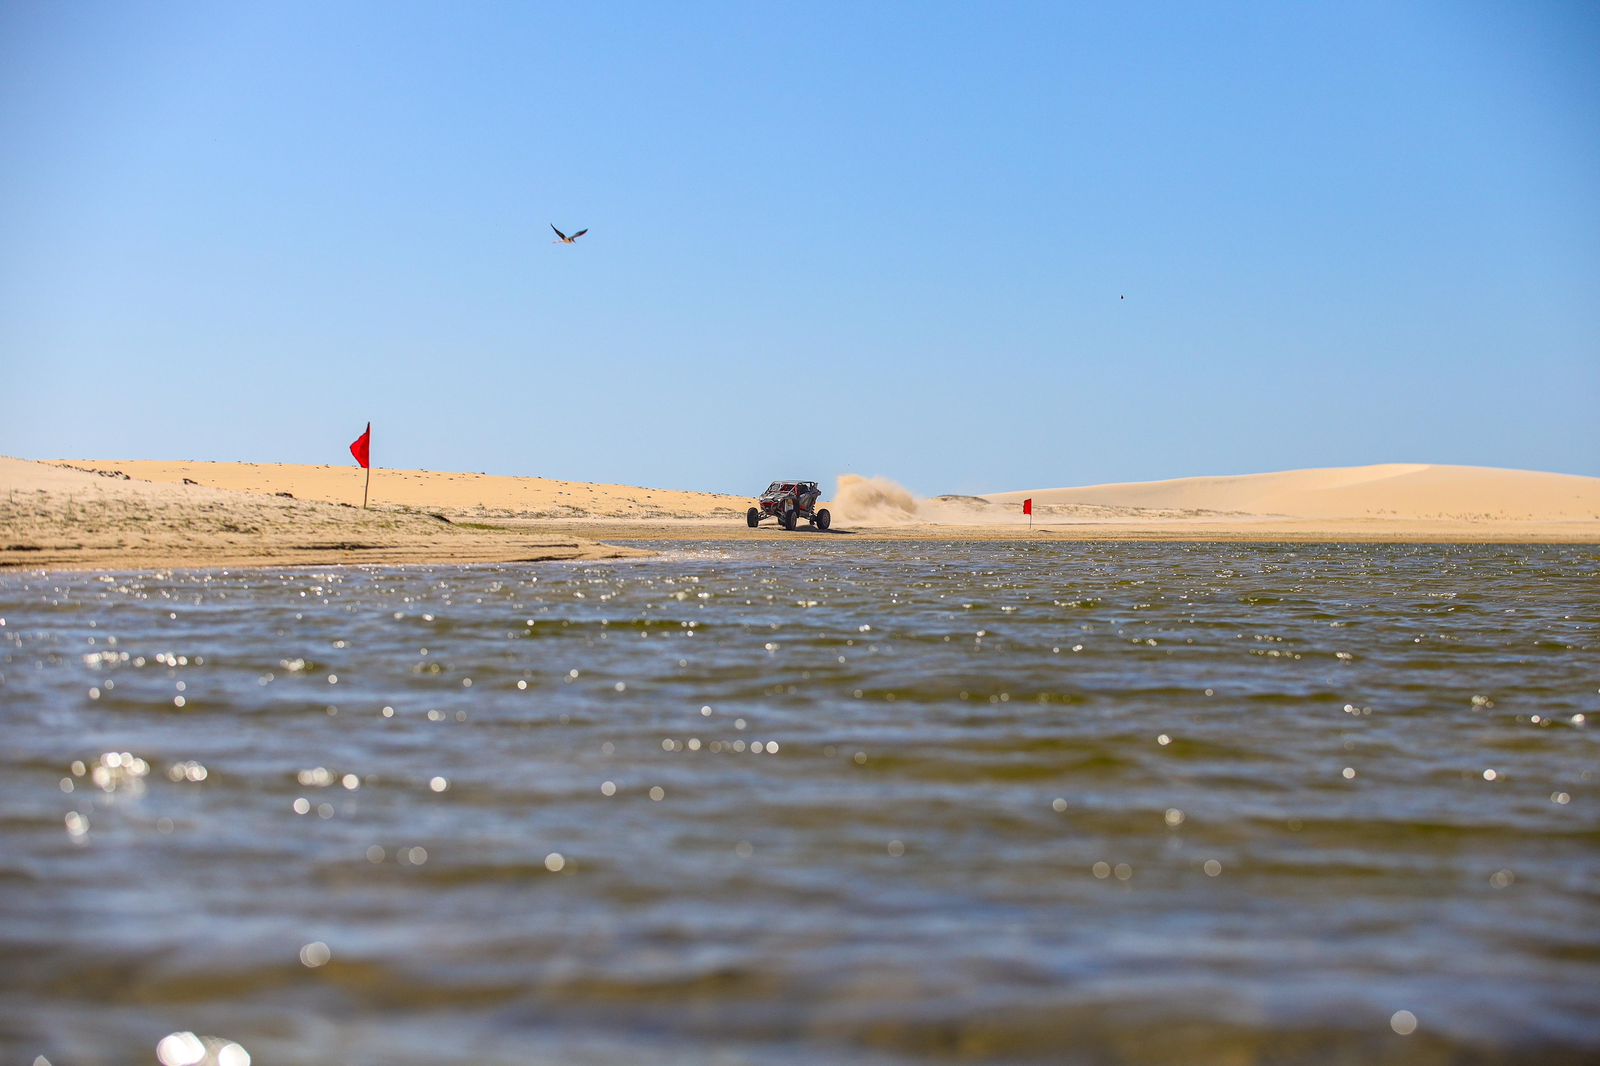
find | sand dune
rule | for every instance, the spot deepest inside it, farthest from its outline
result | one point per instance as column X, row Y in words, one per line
column 1401, row 492
column 1393, row 501
column 1398, row 493
column 128, row 514
column 453, row 493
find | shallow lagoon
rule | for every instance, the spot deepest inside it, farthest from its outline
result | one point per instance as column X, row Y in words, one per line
column 800, row 802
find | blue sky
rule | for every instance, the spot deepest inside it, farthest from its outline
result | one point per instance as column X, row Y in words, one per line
column 875, row 238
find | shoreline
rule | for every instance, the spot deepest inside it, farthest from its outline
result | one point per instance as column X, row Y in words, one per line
column 1311, row 533
column 81, row 561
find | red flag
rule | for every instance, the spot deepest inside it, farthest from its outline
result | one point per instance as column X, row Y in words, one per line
column 361, row 448
column 1027, row 506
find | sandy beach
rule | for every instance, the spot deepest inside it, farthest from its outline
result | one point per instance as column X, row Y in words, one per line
column 125, row 513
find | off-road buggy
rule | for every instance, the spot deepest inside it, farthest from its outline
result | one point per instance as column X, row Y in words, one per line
column 788, row 502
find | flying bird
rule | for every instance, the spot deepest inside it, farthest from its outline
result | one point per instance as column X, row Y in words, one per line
column 562, row 238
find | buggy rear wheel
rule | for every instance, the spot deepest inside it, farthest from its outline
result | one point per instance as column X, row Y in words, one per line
column 823, row 519
column 752, row 517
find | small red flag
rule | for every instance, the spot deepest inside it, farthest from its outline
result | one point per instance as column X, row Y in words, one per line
column 361, row 448
column 1027, row 506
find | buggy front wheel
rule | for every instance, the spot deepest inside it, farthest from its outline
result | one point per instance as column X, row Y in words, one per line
column 752, row 517
column 790, row 520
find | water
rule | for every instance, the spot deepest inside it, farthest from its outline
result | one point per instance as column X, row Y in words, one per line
column 803, row 802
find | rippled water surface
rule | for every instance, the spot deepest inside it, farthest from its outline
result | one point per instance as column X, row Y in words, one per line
column 807, row 802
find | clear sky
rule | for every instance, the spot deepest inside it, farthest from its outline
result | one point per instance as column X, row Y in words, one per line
column 880, row 238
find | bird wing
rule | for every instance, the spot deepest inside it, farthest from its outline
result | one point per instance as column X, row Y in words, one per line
column 563, row 236
column 580, row 233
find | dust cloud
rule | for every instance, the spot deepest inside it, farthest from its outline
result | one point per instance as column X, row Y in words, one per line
column 873, row 499
column 878, row 501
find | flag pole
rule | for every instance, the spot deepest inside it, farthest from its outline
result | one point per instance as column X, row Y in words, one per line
column 361, row 449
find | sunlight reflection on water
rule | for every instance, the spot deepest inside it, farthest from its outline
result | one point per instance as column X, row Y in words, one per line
column 801, row 802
